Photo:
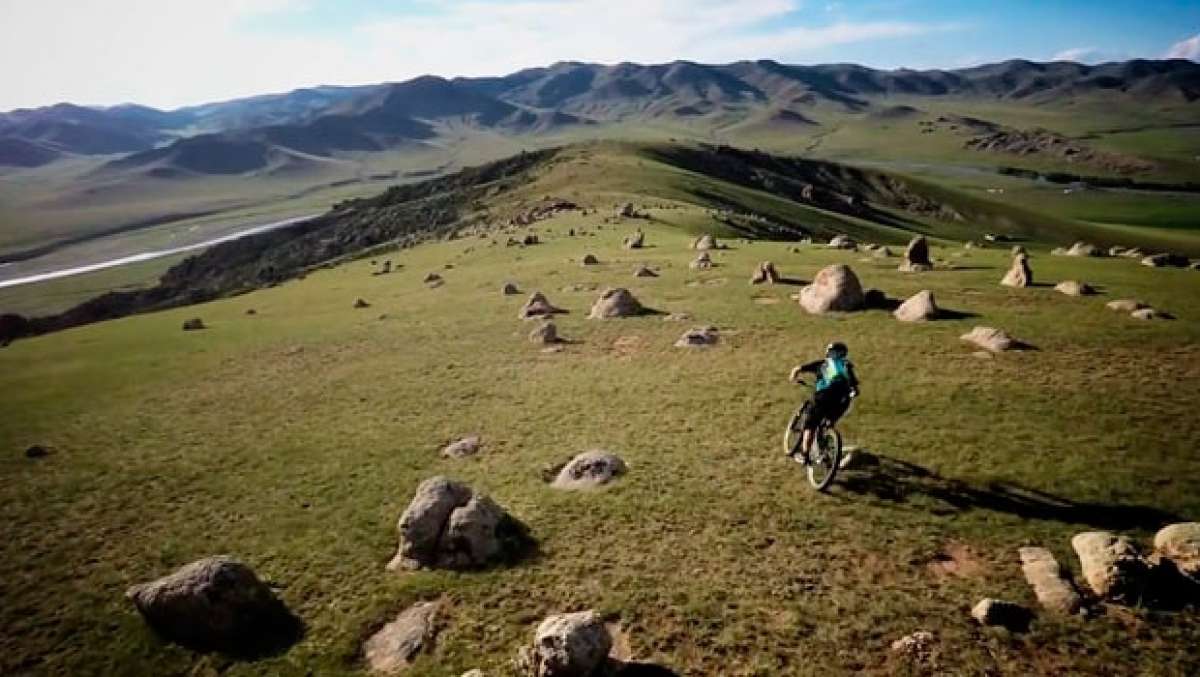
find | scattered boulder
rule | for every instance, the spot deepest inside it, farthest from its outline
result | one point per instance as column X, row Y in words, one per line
column 509, row 289
column 842, row 242
column 194, row 324
column 589, row 260
column 1019, row 274
column 589, row 469
column 916, row 256
column 1074, row 288
column 567, row 645
column 615, row 302
column 698, row 337
column 643, row 271
column 36, row 451
column 1151, row 314
column 545, row 333
column 704, row 243
column 835, row 288
column 994, row 612
column 467, row 446
column 216, row 603
column 450, row 526
column 1125, row 305
column 918, row 308
column 396, row 644
column 628, row 211
column 432, row 278
column 1053, row 589
column 538, row 306
column 1180, row 543
column 765, row 273
column 360, row 304
column 1163, row 260
column 702, row 262
column 995, row 340
column 1084, row 249
column 635, row 241
column 1111, row 565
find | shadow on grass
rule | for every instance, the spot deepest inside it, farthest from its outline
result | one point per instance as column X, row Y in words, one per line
column 635, row 669
column 891, row 479
column 257, row 633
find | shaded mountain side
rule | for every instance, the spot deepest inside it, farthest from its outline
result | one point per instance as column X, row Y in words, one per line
column 402, row 215
column 16, row 152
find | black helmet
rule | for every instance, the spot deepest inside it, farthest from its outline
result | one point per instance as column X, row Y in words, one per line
column 836, row 349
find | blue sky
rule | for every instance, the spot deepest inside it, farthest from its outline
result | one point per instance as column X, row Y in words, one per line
column 169, row 53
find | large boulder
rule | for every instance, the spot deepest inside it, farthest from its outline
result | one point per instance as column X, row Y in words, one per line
column 538, row 306
column 567, row 645
column 698, row 337
column 917, row 308
column 835, row 288
column 1019, row 273
column 765, row 273
column 702, row 262
column 615, row 302
column 216, row 603
column 589, row 469
column 396, row 644
column 992, row 339
column 705, row 242
column 447, row 525
column 1180, row 543
column 1051, row 585
column 916, row 256
column 1074, row 288
column 1112, row 565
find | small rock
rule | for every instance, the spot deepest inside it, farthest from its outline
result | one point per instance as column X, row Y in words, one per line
column 509, row 289
column 705, row 242
column 635, row 241
column 545, row 334
column 643, row 271
column 194, row 324
column 1074, row 288
column 396, row 644
column 448, row 525
column 567, row 645
column 1053, row 589
column 360, row 303
column 1084, row 249
column 590, row 469
column 251, row 311
column 37, row 451
column 765, row 273
column 994, row 612
column 842, row 242
column 467, row 446
column 1125, row 305
column 989, row 338
column 1161, row 260
column 677, row 317
column 1180, row 543
column 918, row 646
column 537, row 305
column 698, row 337
column 702, row 262
column 476, row 672
column 589, row 260
column 1151, row 314
column 918, row 308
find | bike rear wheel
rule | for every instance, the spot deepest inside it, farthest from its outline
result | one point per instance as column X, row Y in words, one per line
column 825, row 458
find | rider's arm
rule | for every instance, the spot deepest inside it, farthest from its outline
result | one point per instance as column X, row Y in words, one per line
column 812, row 367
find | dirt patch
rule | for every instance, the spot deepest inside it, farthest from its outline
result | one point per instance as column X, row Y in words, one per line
column 957, row 560
column 766, row 300
column 627, row 346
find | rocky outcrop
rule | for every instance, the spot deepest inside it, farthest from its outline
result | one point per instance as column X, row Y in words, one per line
column 835, row 288
column 1053, row 589
column 1040, row 142
column 216, row 603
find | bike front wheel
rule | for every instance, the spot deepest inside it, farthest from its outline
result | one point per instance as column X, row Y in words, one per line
column 825, row 458
column 792, row 433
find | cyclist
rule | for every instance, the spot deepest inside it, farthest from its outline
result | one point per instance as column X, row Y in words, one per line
column 836, row 385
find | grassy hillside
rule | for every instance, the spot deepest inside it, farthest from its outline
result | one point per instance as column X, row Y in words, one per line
column 294, row 438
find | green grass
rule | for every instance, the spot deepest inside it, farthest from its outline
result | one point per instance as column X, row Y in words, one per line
column 294, row 438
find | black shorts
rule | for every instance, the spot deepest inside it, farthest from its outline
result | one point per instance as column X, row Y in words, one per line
column 829, row 404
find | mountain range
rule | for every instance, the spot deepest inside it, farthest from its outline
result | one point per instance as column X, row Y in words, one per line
column 313, row 125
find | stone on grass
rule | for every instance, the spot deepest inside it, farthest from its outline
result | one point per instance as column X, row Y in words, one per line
column 919, row 646
column 1084, row 249
column 635, row 241
column 1018, row 249
column 194, row 324
column 530, row 240
column 995, row 612
column 615, row 302
column 36, row 451
column 1125, row 305
column 567, row 645
column 1019, row 273
column 643, row 271
column 1051, row 586
column 545, row 333
column 835, row 288
column 1074, row 288
column 1151, row 314
column 698, row 337
column 918, row 308
column 1180, row 543
column 842, row 242
column 509, row 289
column 448, row 526
column 216, row 604
column 1111, row 565
column 990, row 338
column 537, row 305
column 589, row 260
column 396, row 644
column 462, row 448
column 1161, row 260
column 702, row 262
column 916, row 256
column 589, row 469
column 432, row 278
column 704, row 243
column 765, row 273
column 882, row 253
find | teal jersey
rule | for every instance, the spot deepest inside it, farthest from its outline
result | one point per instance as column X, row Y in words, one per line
column 832, row 369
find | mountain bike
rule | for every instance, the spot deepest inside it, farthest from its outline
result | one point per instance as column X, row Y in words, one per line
column 826, row 453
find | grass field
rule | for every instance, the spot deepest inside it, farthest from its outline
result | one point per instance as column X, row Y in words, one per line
column 293, row 439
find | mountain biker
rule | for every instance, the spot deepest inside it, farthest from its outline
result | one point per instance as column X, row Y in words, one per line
column 836, row 385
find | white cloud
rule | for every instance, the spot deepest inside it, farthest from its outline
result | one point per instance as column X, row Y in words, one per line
column 169, row 52
column 1078, row 54
column 1185, row 49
